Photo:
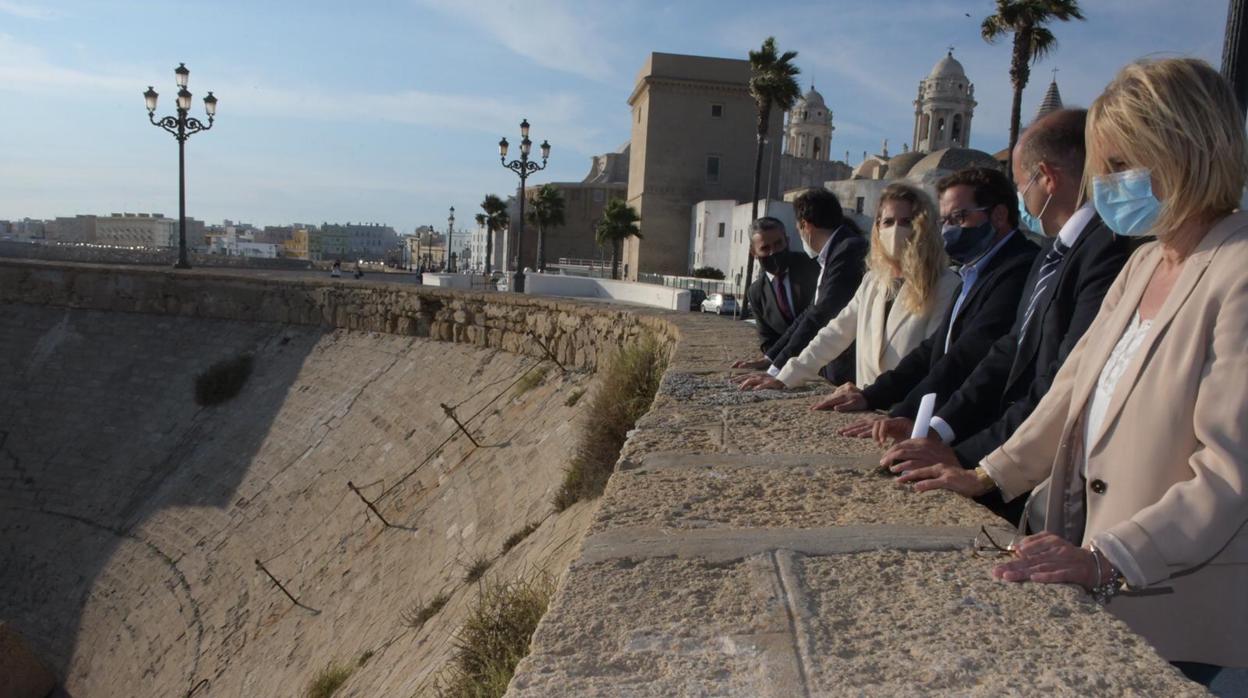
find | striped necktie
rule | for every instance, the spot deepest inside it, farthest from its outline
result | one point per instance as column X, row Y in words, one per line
column 1052, row 261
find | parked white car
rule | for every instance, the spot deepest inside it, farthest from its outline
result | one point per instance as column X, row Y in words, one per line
column 720, row 304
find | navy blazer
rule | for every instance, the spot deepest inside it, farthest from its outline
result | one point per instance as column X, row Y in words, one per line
column 987, row 313
column 839, row 280
column 1009, row 382
column 803, row 277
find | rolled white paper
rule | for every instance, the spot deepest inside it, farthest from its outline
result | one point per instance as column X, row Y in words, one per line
column 923, row 420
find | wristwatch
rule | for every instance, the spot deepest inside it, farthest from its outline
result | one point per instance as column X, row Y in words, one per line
column 984, row 478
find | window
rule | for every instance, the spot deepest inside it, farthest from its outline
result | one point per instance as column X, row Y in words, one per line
column 858, row 204
column 598, row 195
column 712, row 168
column 721, row 230
column 717, row 110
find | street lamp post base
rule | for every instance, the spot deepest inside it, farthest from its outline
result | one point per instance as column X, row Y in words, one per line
column 518, row 282
column 181, row 265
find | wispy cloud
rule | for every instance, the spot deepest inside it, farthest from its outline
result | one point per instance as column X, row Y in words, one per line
column 27, row 10
column 556, row 34
column 27, row 69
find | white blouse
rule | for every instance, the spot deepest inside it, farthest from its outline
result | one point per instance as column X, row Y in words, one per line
column 1124, row 351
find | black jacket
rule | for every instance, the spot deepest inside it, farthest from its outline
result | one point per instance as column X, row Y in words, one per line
column 986, row 314
column 803, row 277
column 1006, row 386
column 839, row 280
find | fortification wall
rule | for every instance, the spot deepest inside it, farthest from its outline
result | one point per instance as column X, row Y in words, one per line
column 741, row 548
column 67, row 252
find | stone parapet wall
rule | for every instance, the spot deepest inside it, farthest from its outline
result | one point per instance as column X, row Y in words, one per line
column 575, row 334
column 742, row 547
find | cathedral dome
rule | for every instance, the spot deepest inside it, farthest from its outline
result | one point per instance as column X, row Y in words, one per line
column 900, row 165
column 946, row 160
column 948, row 68
column 813, row 98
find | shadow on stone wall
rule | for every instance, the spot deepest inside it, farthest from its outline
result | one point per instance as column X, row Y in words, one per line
column 99, row 431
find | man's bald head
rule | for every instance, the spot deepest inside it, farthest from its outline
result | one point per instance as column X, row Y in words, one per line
column 1056, row 138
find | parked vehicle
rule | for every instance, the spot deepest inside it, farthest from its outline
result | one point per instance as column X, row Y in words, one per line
column 696, row 296
column 720, row 304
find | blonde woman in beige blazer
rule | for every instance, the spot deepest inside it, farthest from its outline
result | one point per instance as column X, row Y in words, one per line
column 1141, row 446
column 901, row 301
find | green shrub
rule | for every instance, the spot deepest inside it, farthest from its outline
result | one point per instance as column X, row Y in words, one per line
column 514, row 539
column 495, row 637
column 574, row 397
column 477, row 569
column 629, row 382
column 420, row 613
column 222, row 380
column 328, row 680
column 531, row 380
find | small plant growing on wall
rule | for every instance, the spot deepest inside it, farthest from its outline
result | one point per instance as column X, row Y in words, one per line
column 223, row 380
column 328, row 680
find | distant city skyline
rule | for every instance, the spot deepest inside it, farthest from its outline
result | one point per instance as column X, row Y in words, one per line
column 391, row 112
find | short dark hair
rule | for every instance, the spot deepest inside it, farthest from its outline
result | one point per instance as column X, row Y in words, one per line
column 990, row 188
column 1057, row 138
column 766, row 223
column 820, row 208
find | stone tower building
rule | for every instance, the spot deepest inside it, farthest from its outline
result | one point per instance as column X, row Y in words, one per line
column 809, row 133
column 944, row 107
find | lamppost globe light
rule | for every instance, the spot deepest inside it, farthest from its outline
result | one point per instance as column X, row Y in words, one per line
column 526, row 146
column 182, row 74
column 149, row 98
column 545, row 150
column 210, row 105
column 524, row 128
column 502, row 148
column 184, row 99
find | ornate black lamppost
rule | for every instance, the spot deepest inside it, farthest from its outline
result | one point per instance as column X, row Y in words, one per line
column 523, row 167
column 450, row 230
column 181, row 126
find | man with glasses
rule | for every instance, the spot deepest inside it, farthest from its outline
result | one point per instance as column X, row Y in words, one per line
column 979, row 218
column 1064, row 290
column 787, row 285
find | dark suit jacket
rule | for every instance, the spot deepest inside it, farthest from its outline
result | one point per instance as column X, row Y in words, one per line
column 1012, row 378
column 986, row 314
column 839, row 280
column 803, row 278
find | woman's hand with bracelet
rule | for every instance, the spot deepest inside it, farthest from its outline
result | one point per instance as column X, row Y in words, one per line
column 1047, row 558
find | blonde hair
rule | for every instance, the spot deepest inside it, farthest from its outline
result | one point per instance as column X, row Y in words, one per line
column 923, row 260
column 1178, row 118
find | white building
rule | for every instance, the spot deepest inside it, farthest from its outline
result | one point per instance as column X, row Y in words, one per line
column 711, row 237
column 476, row 248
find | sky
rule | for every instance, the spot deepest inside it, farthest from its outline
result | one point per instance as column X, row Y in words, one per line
column 390, row 111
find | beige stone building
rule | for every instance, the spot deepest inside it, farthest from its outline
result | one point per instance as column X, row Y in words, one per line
column 694, row 127
column 944, row 107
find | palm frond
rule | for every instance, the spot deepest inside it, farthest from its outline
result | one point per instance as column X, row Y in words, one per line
column 1043, row 42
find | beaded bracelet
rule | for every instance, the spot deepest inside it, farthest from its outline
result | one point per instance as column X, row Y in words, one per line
column 1104, row 592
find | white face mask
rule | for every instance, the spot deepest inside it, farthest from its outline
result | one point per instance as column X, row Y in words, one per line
column 894, row 238
column 810, row 251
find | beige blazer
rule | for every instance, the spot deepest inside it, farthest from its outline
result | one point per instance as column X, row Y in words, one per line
column 1168, row 475
column 882, row 341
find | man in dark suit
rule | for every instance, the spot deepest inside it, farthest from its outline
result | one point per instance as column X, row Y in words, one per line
column 787, row 284
column 840, row 250
column 979, row 214
column 1080, row 260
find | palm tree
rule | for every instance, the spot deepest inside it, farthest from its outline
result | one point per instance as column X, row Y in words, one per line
column 494, row 219
column 545, row 211
column 772, row 84
column 619, row 222
column 1025, row 19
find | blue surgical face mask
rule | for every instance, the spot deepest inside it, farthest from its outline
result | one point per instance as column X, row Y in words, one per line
column 1125, row 201
column 965, row 245
column 1032, row 223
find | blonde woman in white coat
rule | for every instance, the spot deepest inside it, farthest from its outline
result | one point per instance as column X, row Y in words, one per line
column 903, row 297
